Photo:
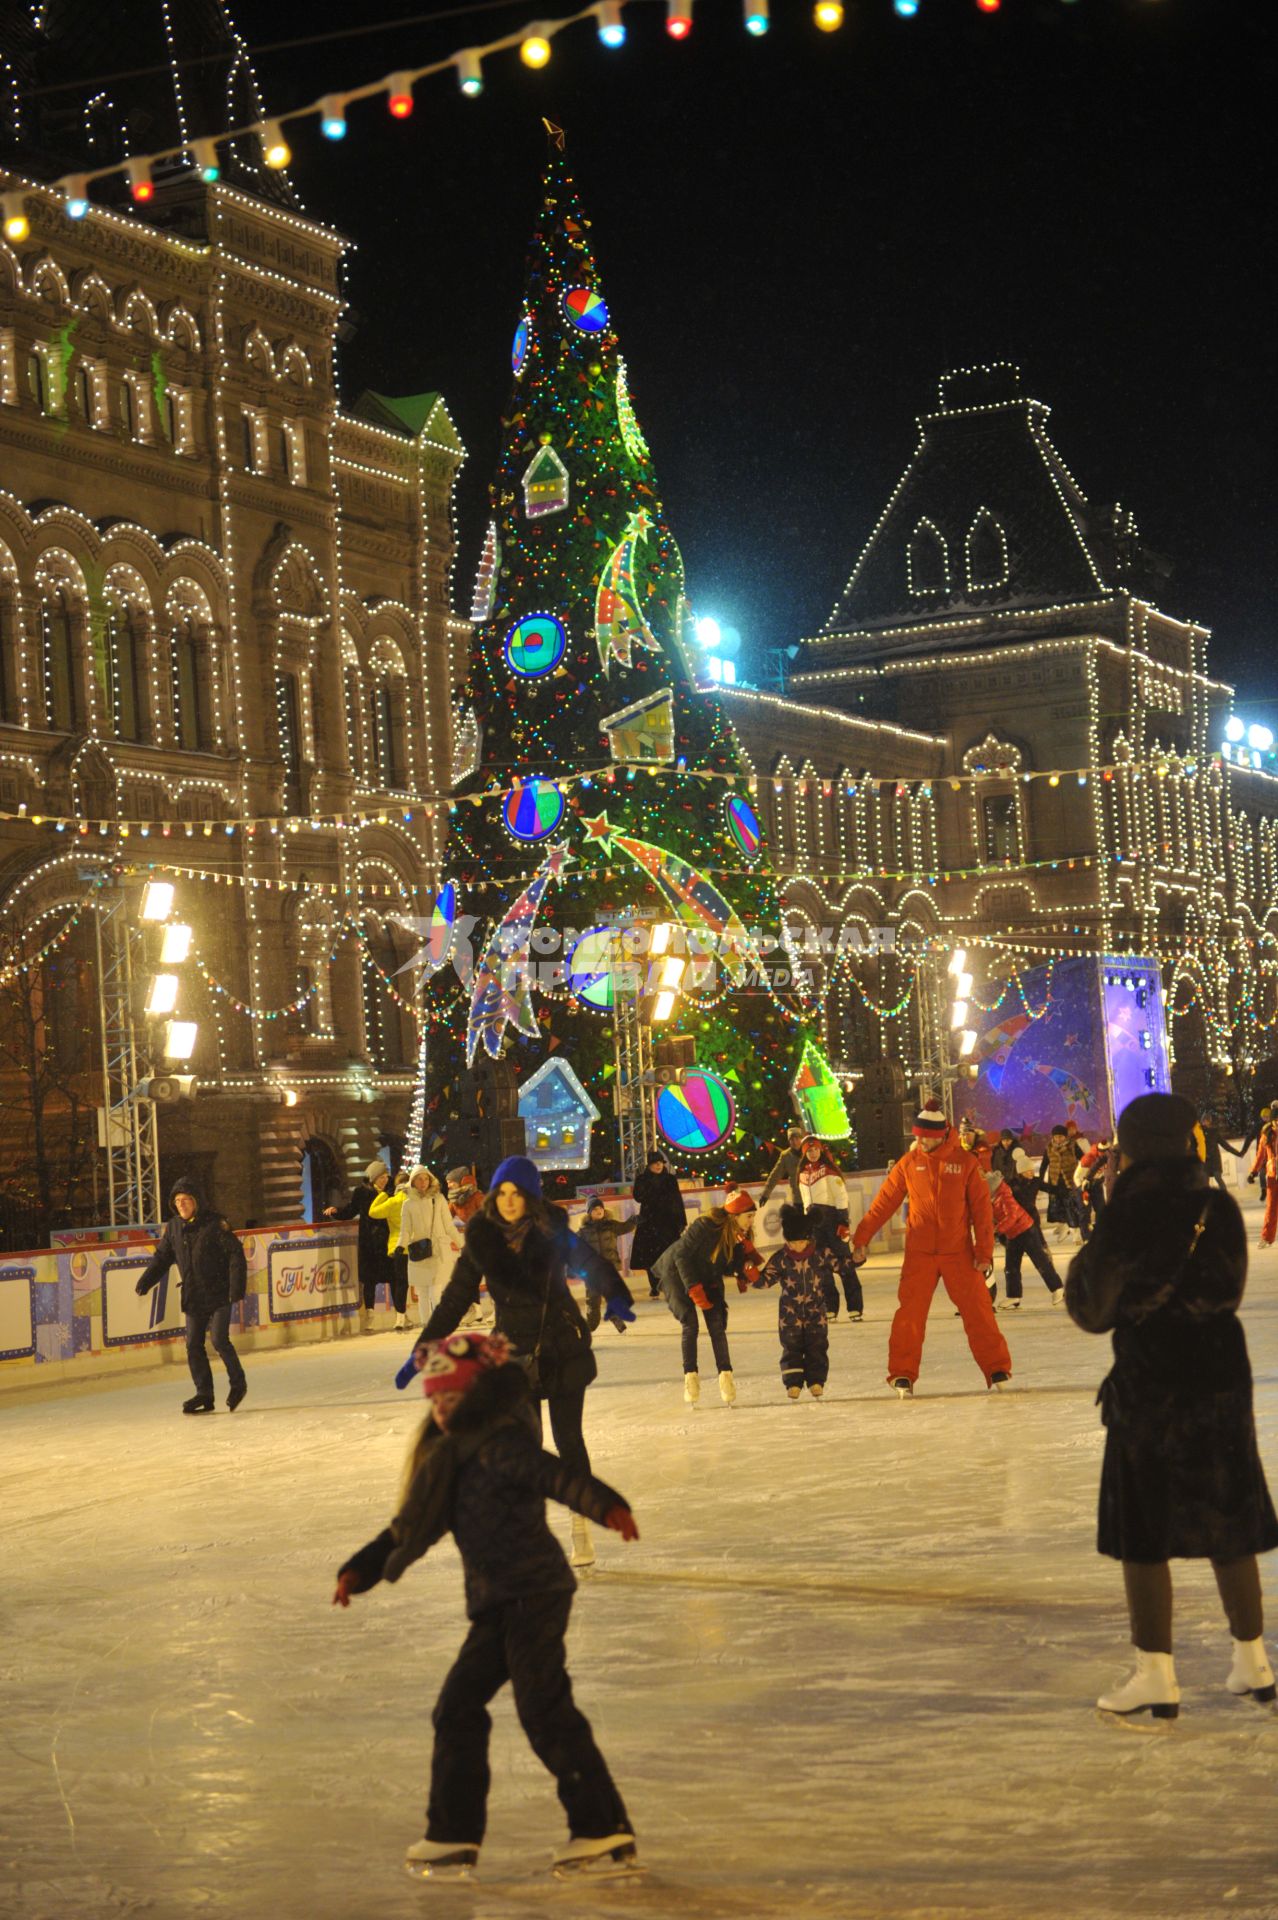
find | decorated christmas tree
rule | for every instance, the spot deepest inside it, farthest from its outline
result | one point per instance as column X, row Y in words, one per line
column 628, row 976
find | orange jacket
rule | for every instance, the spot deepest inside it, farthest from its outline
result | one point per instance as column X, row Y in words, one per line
column 950, row 1209
column 1266, row 1151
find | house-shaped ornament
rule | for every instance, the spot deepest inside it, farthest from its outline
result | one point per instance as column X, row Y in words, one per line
column 557, row 1113
column 545, row 484
column 642, row 734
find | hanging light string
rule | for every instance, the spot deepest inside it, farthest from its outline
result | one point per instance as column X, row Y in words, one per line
column 432, row 805
column 14, row 968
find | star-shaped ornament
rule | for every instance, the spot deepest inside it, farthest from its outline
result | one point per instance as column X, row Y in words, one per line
column 558, row 859
column 599, row 829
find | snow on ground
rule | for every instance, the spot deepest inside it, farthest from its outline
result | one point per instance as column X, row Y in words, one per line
column 848, row 1670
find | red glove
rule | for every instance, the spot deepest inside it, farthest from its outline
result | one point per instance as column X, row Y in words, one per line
column 699, row 1297
column 622, row 1521
column 749, row 1277
column 845, row 1232
column 347, row 1584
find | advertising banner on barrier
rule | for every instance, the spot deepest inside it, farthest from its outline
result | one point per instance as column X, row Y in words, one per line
column 308, row 1277
column 17, row 1330
column 128, row 1319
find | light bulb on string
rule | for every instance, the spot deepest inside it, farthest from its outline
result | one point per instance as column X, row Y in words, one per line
column 612, row 28
column 535, row 50
column 988, row 6
column 399, row 95
column 204, row 154
column 757, row 19
column 828, row 15
column 679, row 19
column 470, row 76
column 275, row 148
column 16, row 225
column 905, row 9
column 141, row 185
column 333, row 116
column 75, row 189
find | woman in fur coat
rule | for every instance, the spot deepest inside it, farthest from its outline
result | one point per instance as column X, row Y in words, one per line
column 1182, row 1479
column 426, row 1219
column 523, row 1248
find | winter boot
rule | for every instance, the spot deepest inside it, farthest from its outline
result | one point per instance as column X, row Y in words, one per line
column 727, row 1389
column 614, row 1853
column 692, row 1388
column 1251, row 1672
column 792, row 1393
column 583, row 1547
column 442, row 1859
column 816, row 1391
column 904, row 1388
column 1153, row 1685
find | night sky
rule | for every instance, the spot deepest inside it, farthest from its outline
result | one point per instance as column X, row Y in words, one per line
column 798, row 234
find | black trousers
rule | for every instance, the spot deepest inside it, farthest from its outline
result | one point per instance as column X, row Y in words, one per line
column 399, row 1280
column 566, row 1411
column 805, row 1353
column 716, row 1327
column 213, row 1323
column 825, row 1223
column 1030, row 1242
column 523, row 1642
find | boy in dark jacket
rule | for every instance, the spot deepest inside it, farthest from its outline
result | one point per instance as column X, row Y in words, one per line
column 214, row 1275
column 806, row 1274
column 478, row 1472
column 1182, row 1478
column 601, row 1231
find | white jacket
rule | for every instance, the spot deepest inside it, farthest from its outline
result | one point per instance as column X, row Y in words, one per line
column 827, row 1190
column 430, row 1218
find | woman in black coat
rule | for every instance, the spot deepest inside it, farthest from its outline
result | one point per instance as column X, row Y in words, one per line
column 524, row 1249
column 692, row 1273
column 662, row 1217
column 1182, row 1478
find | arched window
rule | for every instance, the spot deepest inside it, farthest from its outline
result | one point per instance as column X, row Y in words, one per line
column 383, row 1022
column 190, row 726
column 927, row 560
column 386, row 733
column 125, row 641
column 57, row 638
column 986, row 552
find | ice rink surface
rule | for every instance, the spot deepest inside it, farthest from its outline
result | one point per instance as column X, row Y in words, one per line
column 848, row 1670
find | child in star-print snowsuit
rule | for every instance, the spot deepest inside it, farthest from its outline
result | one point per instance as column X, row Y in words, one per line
column 806, row 1274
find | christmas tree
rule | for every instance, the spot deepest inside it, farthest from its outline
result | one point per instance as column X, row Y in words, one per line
column 626, row 961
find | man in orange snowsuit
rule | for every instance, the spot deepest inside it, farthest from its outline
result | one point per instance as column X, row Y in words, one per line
column 949, row 1236
column 1266, row 1161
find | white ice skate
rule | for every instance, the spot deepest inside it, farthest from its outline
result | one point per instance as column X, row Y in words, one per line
column 441, row 1859
column 727, row 1389
column 1251, row 1672
column 1153, row 1685
column 583, row 1547
column 1011, row 1306
column 692, row 1388
column 1058, row 1297
column 857, row 1315
column 600, row 1859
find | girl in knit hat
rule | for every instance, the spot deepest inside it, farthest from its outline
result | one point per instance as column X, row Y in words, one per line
column 823, row 1194
column 1182, row 1479
column 477, row 1470
column 693, row 1272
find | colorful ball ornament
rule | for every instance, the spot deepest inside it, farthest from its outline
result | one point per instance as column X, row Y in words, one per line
column 592, row 968
column 586, row 309
column 535, row 645
column 698, row 1114
column 533, row 810
column 743, row 825
column 519, row 346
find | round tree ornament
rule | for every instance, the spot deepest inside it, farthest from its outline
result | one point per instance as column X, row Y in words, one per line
column 593, row 965
column 698, row 1114
column 535, row 645
column 743, row 825
column 533, row 810
column 585, row 309
column 520, row 345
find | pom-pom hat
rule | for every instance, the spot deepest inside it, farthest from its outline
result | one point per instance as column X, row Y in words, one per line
column 453, row 1365
column 930, row 1122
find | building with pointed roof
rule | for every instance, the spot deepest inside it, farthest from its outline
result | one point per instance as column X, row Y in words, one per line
column 226, row 640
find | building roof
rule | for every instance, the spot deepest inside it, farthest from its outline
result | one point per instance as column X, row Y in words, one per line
column 985, row 517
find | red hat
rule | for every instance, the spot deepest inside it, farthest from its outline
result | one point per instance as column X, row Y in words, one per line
column 453, row 1365
column 930, row 1122
column 739, row 1201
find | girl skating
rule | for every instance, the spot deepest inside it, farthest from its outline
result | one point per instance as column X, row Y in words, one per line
column 824, row 1196
column 693, row 1272
column 477, row 1470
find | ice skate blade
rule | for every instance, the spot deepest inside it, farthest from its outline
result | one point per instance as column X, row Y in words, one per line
column 1264, row 1696
column 603, row 1866
column 445, row 1876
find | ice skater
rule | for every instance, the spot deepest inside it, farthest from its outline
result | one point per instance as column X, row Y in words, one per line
column 805, row 1274
column 663, row 1215
column 601, row 1231
column 477, row 1470
column 214, row 1276
column 1181, row 1478
column 373, row 1261
column 693, row 1273
column 949, row 1236
column 1018, row 1230
column 1265, row 1169
column 431, row 1238
column 824, row 1195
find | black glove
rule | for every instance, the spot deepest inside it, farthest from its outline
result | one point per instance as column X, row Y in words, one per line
column 142, row 1288
column 365, row 1568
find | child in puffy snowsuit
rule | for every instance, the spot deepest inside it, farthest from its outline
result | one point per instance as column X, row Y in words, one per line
column 806, row 1274
column 478, row 1471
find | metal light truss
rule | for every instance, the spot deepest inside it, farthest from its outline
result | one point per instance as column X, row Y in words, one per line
column 634, row 1082
column 129, row 1130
